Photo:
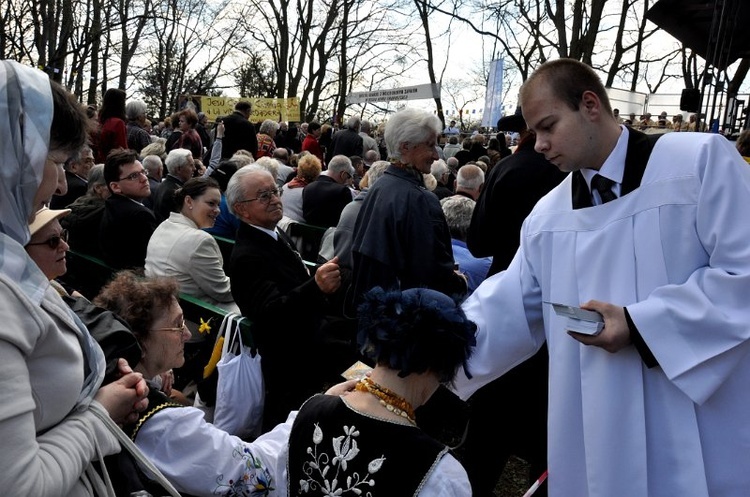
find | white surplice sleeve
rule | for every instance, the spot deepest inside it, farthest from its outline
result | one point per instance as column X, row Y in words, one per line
column 449, row 479
column 507, row 309
column 697, row 325
column 202, row 460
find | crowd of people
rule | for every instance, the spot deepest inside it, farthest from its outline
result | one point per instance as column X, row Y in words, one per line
column 440, row 257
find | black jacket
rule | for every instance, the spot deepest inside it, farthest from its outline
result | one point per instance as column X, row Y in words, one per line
column 126, row 228
column 239, row 134
column 323, row 200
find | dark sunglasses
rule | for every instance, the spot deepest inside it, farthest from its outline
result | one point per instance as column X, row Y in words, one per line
column 54, row 241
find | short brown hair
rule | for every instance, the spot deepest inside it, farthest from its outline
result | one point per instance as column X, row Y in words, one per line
column 115, row 160
column 568, row 79
column 70, row 124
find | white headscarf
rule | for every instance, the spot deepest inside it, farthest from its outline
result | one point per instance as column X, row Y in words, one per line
column 25, row 120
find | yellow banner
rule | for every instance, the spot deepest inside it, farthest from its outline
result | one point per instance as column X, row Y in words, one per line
column 276, row 109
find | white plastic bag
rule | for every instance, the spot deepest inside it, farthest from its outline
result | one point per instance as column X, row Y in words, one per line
column 240, row 392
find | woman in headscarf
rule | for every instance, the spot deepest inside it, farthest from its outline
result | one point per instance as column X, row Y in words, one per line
column 54, row 415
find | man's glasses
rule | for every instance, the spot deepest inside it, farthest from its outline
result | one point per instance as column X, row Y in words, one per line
column 54, row 241
column 135, row 176
column 264, row 197
column 180, row 329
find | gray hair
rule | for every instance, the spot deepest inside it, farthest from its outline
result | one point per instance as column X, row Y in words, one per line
column 412, row 126
column 469, row 177
column 152, row 163
column 268, row 126
column 365, row 127
column 96, row 178
column 78, row 156
column 458, row 210
column 354, row 123
column 236, row 188
column 376, row 171
column 242, row 159
column 134, row 109
column 340, row 163
column 269, row 164
column 452, row 162
column 177, row 158
column 157, row 147
column 438, row 169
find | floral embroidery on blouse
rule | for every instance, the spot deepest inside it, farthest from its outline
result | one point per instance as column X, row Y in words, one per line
column 256, row 481
column 318, row 470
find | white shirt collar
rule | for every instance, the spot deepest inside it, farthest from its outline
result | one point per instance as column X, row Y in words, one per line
column 271, row 233
column 614, row 167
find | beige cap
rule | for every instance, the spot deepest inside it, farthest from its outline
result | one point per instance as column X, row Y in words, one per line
column 44, row 216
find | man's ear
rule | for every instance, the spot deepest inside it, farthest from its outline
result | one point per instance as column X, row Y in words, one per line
column 114, row 186
column 403, row 147
column 590, row 104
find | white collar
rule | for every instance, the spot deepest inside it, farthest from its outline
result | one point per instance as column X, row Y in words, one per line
column 614, row 167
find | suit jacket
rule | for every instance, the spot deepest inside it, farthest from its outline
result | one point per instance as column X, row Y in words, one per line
column 511, row 190
column 239, row 134
column 163, row 202
column 273, row 289
column 323, row 200
column 77, row 187
column 180, row 250
column 125, row 231
column 345, row 142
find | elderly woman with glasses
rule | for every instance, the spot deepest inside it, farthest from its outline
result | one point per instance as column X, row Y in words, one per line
column 198, row 458
column 49, row 245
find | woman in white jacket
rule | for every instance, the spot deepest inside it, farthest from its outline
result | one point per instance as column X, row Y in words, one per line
column 181, row 249
column 53, row 415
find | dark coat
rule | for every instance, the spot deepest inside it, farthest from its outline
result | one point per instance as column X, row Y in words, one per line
column 511, row 190
column 239, row 134
column 77, row 187
column 83, row 225
column 401, row 238
column 163, row 201
column 346, row 142
column 126, row 228
column 323, row 200
column 273, row 289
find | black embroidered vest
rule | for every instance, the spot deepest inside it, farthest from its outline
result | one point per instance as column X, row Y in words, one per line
column 332, row 447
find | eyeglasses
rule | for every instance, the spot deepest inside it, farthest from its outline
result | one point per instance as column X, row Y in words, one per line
column 54, row 241
column 348, row 175
column 264, row 197
column 135, row 176
column 180, row 329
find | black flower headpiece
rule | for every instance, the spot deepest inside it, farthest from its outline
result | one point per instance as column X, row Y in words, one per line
column 415, row 330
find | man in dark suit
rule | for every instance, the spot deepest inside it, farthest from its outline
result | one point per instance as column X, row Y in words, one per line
column 510, row 191
column 76, row 174
column 273, row 288
column 126, row 225
column 348, row 141
column 239, row 132
column 325, row 198
column 181, row 166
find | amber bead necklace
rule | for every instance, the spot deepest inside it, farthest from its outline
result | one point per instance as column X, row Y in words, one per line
column 388, row 399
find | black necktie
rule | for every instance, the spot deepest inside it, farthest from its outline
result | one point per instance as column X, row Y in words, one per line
column 604, row 187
